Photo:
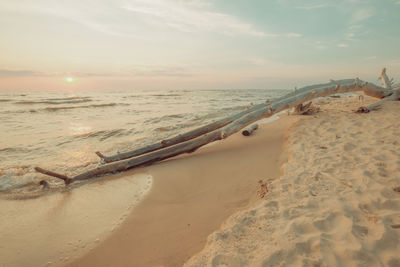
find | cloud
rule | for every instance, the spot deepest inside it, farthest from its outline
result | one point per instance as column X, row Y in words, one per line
column 18, row 73
column 321, row 47
column 101, row 16
column 158, row 71
column 134, row 71
column 370, row 58
column 342, row 45
column 138, row 71
column 311, row 7
column 362, row 14
column 257, row 61
column 131, row 18
column 292, row 34
column 185, row 17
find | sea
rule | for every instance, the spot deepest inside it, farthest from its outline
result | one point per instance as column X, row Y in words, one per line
column 62, row 130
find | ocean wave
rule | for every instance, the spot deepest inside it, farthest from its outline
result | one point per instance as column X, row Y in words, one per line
column 235, row 108
column 5, row 100
column 55, row 109
column 166, row 95
column 105, row 134
column 85, row 106
column 15, row 176
column 165, row 129
column 69, row 98
column 48, row 102
column 156, row 120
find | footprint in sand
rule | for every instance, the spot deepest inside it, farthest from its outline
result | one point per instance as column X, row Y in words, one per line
column 225, row 261
column 276, row 259
column 349, row 147
column 395, row 262
column 332, row 221
column 310, row 246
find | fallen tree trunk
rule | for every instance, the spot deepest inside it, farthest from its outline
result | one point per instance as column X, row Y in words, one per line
column 388, row 85
column 290, row 100
column 179, row 138
column 371, row 90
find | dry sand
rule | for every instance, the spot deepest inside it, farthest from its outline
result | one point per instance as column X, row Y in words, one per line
column 338, row 203
column 191, row 196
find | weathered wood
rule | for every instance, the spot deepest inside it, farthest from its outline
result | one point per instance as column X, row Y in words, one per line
column 385, row 79
column 179, row 138
column 387, row 84
column 394, row 97
column 249, row 130
column 369, row 89
column 98, row 153
column 271, row 106
column 54, row 174
column 306, row 109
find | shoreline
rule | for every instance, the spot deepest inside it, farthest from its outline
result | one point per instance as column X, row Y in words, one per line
column 333, row 198
column 191, row 196
column 51, row 229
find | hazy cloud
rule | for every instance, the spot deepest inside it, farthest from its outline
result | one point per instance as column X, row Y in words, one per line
column 138, row 71
column 311, row 7
column 18, row 73
column 362, row 14
column 187, row 17
column 370, row 58
column 128, row 18
column 321, row 47
column 257, row 61
column 158, row 71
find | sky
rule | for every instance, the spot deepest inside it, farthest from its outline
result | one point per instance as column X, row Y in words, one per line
column 195, row 44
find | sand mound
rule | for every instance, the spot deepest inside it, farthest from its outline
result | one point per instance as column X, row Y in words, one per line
column 337, row 203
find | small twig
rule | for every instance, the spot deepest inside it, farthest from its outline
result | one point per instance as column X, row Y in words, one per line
column 335, row 180
column 98, row 153
column 54, row 174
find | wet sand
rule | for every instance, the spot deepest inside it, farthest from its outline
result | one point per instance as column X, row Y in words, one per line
column 54, row 228
column 191, row 196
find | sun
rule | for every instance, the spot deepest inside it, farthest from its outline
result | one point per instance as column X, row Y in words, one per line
column 69, row 79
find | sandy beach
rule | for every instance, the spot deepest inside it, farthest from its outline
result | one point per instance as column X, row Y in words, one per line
column 333, row 199
column 191, row 196
column 123, row 133
column 337, row 203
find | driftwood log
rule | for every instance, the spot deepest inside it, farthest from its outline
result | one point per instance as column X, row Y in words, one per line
column 249, row 130
column 240, row 121
column 179, row 138
column 388, row 85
